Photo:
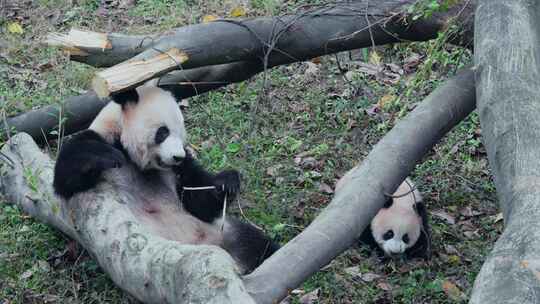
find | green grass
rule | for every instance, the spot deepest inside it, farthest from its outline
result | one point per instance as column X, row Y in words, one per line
column 306, row 133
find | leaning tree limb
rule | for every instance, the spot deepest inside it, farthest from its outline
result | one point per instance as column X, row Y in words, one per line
column 508, row 103
column 108, row 49
column 150, row 268
column 357, row 201
column 324, row 30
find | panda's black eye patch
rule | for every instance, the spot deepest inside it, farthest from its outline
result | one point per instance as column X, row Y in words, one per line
column 405, row 238
column 388, row 235
column 161, row 134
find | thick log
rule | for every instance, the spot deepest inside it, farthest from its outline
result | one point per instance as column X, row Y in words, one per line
column 150, row 268
column 508, row 104
column 359, row 198
column 76, row 113
column 82, row 109
column 108, row 49
column 290, row 38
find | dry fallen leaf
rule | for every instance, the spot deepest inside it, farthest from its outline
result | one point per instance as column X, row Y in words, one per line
column 273, row 171
column 15, row 28
column 444, row 215
column 316, row 60
column 385, row 100
column 209, row 18
column 374, row 58
column 369, row 277
column 238, row 11
column 411, row 62
column 312, row 69
column 373, row 110
column 310, row 297
column 452, row 291
column 353, row 271
column 325, row 188
column 469, row 212
column 26, row 274
column 384, row 286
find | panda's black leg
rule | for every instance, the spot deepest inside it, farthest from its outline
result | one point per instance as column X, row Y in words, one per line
column 246, row 244
column 81, row 161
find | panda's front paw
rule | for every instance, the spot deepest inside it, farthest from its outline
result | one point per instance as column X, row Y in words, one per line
column 80, row 165
column 229, row 182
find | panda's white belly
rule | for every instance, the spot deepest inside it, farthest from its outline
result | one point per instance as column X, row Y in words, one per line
column 152, row 198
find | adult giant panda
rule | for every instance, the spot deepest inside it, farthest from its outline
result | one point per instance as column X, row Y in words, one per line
column 136, row 144
column 401, row 226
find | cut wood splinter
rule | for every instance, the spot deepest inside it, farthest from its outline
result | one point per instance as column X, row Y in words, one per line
column 134, row 72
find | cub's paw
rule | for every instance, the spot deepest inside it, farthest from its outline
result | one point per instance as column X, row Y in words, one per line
column 229, row 182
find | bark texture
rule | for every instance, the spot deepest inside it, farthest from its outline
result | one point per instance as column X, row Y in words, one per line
column 150, row 268
column 291, row 38
column 508, row 103
column 108, row 49
column 357, row 201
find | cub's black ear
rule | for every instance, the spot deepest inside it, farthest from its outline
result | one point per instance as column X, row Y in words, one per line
column 388, row 203
column 125, row 96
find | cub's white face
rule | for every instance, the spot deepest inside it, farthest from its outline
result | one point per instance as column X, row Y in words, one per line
column 398, row 228
column 153, row 131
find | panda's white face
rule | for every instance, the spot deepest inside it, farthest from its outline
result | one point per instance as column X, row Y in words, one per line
column 396, row 230
column 398, row 227
column 153, row 131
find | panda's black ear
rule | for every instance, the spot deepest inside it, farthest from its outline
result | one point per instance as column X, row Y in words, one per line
column 388, row 203
column 125, row 97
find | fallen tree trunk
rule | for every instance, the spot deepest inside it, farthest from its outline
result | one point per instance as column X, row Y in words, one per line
column 110, row 49
column 507, row 90
column 150, row 268
column 387, row 18
column 76, row 114
column 357, row 201
column 324, row 30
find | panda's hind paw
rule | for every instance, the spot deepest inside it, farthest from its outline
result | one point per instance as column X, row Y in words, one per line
column 228, row 181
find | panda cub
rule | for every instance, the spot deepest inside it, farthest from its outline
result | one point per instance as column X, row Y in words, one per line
column 401, row 227
column 136, row 145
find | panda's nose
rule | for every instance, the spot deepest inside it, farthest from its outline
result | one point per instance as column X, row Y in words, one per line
column 178, row 159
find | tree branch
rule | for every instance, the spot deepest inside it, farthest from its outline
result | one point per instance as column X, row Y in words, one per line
column 290, row 38
column 357, row 201
column 108, row 49
column 150, row 268
column 507, row 79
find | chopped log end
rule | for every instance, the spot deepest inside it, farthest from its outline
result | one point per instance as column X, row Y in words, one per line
column 135, row 72
column 80, row 40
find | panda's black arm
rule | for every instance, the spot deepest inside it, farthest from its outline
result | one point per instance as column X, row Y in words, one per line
column 81, row 161
column 207, row 205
